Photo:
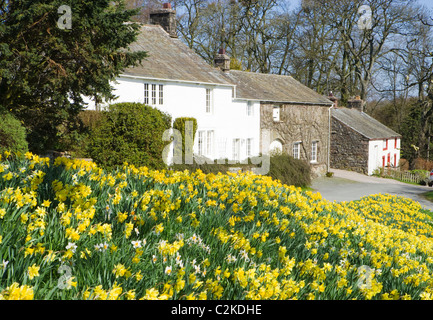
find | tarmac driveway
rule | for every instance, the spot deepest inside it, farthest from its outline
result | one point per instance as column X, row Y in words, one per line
column 348, row 186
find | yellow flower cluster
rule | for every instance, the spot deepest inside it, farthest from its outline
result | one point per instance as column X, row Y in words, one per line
column 17, row 292
column 73, row 230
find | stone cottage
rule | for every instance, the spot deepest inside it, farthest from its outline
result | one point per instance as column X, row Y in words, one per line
column 293, row 118
column 361, row 143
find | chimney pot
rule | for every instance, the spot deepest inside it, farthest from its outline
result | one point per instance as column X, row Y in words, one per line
column 334, row 99
column 166, row 5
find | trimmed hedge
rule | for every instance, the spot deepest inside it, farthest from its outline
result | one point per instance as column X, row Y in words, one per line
column 179, row 124
column 129, row 132
column 12, row 134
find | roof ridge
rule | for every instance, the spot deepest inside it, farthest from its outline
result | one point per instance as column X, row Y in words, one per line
column 381, row 133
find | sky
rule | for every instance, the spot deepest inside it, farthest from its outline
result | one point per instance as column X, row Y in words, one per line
column 427, row 3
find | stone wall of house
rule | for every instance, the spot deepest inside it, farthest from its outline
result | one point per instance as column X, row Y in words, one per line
column 299, row 123
column 349, row 149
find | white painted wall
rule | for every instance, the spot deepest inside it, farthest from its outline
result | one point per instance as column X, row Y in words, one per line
column 379, row 149
column 228, row 119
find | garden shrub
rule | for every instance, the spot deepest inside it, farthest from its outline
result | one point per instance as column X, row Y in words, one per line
column 12, row 134
column 289, row 171
column 76, row 138
column 179, row 124
column 129, row 132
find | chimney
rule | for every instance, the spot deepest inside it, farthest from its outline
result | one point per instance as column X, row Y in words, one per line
column 166, row 18
column 356, row 104
column 222, row 60
column 334, row 99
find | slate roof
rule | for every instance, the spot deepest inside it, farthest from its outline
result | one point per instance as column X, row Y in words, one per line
column 364, row 124
column 274, row 88
column 170, row 59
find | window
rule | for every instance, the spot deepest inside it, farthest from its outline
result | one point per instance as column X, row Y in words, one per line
column 276, row 113
column 209, row 143
column 209, row 101
column 314, row 151
column 200, row 141
column 153, row 94
column 156, row 94
column 385, row 144
column 249, row 147
column 236, row 149
column 161, row 94
column 395, row 143
column 205, row 143
column 297, row 150
column 250, row 109
column 146, row 93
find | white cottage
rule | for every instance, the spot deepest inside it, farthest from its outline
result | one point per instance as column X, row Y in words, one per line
column 174, row 79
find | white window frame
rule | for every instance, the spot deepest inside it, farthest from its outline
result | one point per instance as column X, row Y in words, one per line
column 250, row 109
column 153, row 94
column 297, row 150
column 161, row 94
column 146, row 93
column 249, row 147
column 314, row 151
column 200, row 142
column 209, row 100
column 276, row 113
column 236, row 149
column 209, row 142
column 205, row 142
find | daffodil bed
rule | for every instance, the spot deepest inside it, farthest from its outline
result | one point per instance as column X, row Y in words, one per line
column 70, row 230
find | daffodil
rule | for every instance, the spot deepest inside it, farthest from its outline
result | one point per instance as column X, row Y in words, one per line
column 33, row 271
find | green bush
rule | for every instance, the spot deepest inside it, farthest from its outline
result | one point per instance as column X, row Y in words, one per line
column 179, row 124
column 129, row 132
column 12, row 135
column 289, row 171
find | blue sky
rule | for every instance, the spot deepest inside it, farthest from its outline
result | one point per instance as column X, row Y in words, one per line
column 427, row 3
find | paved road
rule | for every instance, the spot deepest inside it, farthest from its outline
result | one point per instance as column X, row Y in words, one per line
column 348, row 186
